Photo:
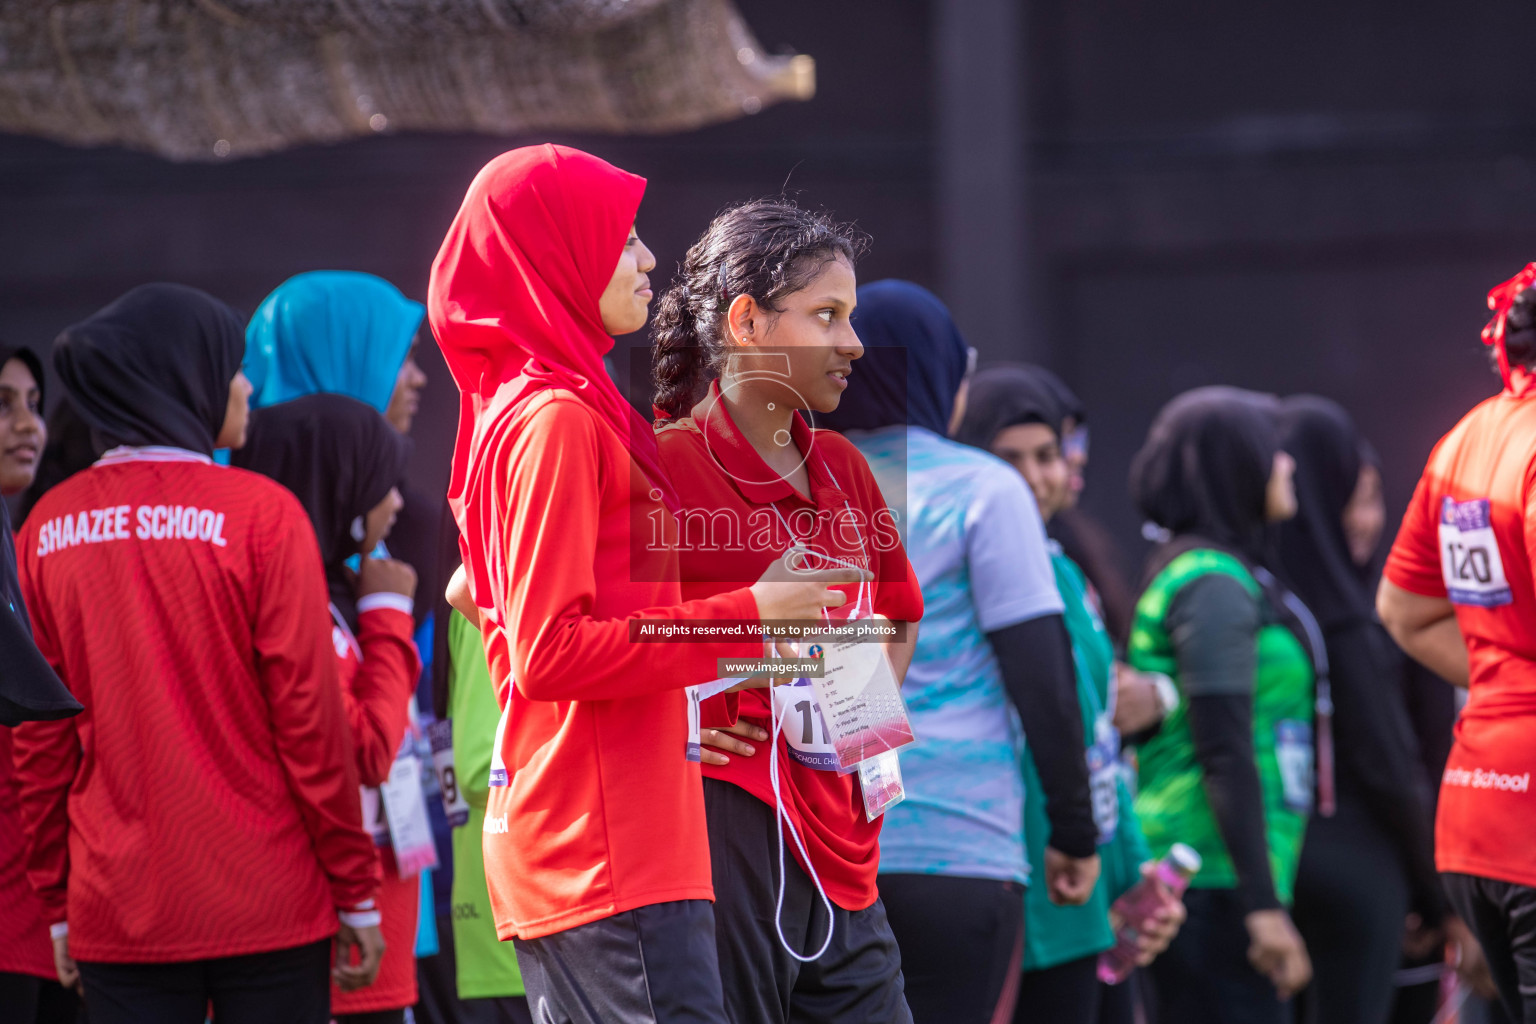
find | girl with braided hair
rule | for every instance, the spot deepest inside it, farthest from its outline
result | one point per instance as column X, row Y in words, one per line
column 751, row 344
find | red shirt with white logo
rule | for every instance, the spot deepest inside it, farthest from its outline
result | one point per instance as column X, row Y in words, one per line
column 1470, row 535
column 737, row 518
column 205, row 802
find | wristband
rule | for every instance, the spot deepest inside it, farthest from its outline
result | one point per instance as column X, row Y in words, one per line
column 58, row 931
column 386, row 599
column 1167, row 693
column 364, row 915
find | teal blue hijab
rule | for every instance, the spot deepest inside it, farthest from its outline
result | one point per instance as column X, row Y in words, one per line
column 337, row 331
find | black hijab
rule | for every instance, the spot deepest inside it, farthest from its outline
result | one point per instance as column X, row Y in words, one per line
column 1204, row 469
column 70, row 449
column 1007, row 396
column 913, row 364
column 154, row 367
column 30, row 691
column 1314, row 552
column 340, row 458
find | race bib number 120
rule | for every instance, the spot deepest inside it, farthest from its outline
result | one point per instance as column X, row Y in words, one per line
column 1469, row 555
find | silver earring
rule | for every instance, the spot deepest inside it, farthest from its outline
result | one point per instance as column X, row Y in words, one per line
column 359, row 529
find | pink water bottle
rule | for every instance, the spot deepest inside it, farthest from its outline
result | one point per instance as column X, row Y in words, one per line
column 1169, row 878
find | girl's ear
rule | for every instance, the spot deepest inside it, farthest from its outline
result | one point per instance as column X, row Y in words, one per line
column 741, row 320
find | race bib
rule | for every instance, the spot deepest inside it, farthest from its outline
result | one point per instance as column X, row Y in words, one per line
column 455, row 807
column 1293, row 752
column 805, row 731
column 1104, row 778
column 693, row 752
column 861, row 702
column 1469, row 555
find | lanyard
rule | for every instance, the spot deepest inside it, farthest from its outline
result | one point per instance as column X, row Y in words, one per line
column 346, row 631
column 801, row 557
column 1326, row 798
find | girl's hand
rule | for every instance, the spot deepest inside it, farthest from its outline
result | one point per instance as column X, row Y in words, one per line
column 64, row 965
column 800, row 595
column 1162, row 927
column 782, row 649
column 1137, row 707
column 732, row 739
column 1276, row 950
column 385, row 576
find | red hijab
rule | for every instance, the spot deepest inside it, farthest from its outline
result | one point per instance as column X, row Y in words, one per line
column 513, row 302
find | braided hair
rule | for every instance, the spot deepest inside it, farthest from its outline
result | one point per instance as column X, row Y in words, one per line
column 1520, row 329
column 765, row 248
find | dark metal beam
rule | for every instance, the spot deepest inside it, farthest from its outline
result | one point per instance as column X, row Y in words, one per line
column 982, row 177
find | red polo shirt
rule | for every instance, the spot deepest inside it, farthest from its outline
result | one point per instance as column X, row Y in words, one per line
column 736, row 518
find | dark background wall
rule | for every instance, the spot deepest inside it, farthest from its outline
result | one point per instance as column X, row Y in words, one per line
column 1303, row 196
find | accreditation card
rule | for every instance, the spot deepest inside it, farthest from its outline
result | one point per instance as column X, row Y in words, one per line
column 861, row 702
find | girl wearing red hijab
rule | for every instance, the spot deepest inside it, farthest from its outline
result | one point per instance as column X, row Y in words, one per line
column 596, row 855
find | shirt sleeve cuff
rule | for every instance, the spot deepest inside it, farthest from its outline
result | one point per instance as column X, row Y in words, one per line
column 1075, row 838
column 720, row 711
column 385, row 599
column 364, row 915
column 1426, row 584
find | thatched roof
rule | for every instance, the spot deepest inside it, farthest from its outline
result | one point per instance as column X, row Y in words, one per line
column 211, row 79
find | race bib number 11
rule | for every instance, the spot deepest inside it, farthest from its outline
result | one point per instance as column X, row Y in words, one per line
column 1469, row 555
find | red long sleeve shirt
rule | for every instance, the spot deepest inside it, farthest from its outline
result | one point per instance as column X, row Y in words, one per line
column 205, row 803
column 378, row 669
column 25, row 947
column 598, row 810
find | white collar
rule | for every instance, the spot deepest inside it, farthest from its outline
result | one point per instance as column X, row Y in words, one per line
column 151, row 453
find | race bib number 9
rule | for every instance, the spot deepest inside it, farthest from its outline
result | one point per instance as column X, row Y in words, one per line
column 455, row 807
column 1469, row 555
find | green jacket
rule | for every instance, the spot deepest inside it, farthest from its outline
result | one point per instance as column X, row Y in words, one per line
column 1172, row 801
column 487, row 967
column 1056, row 935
